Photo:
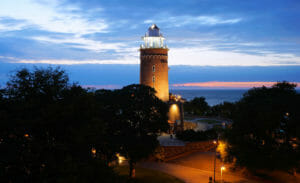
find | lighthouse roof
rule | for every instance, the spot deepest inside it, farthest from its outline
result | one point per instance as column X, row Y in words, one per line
column 153, row 31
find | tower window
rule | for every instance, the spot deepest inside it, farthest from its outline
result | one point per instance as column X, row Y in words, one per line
column 153, row 79
column 153, row 68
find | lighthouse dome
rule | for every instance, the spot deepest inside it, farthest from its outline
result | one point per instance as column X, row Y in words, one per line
column 153, row 31
column 153, row 38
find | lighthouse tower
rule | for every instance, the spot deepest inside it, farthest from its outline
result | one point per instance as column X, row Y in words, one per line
column 154, row 63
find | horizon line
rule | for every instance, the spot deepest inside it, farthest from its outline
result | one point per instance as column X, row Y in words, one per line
column 205, row 85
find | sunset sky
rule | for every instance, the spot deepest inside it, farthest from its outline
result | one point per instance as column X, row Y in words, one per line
column 210, row 41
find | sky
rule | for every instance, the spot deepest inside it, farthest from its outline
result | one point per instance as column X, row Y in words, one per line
column 217, row 42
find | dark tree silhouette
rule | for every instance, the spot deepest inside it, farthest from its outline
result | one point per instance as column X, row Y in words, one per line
column 197, row 106
column 224, row 110
column 54, row 131
column 48, row 128
column 140, row 117
column 266, row 128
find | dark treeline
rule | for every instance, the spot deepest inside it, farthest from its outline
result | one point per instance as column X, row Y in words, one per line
column 198, row 106
column 192, row 135
column 265, row 130
column 54, row 131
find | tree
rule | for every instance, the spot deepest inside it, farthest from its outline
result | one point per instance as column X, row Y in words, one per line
column 224, row 110
column 45, row 84
column 265, row 128
column 197, row 106
column 54, row 131
column 48, row 128
column 140, row 116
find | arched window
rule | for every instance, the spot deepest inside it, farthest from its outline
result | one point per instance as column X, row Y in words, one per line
column 153, row 79
column 153, row 68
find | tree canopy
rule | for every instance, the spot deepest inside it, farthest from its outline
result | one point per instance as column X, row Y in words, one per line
column 197, row 106
column 55, row 131
column 140, row 116
column 266, row 128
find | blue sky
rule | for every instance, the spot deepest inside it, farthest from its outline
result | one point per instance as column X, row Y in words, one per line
column 201, row 34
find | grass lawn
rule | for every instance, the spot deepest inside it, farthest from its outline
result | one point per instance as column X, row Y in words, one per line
column 147, row 176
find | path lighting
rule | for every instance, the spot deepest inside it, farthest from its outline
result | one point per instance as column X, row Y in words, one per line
column 222, row 169
column 120, row 158
column 178, row 97
column 215, row 143
column 93, row 151
column 174, row 112
column 26, row 135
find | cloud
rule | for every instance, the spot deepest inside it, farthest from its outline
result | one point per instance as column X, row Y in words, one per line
column 193, row 56
column 7, row 24
column 8, row 58
column 82, row 43
column 179, row 21
column 52, row 16
column 68, row 25
column 218, row 84
column 209, row 56
column 122, row 60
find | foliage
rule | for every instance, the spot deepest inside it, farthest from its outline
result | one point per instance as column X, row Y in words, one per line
column 192, row 135
column 224, row 110
column 266, row 128
column 48, row 128
column 140, row 117
column 197, row 106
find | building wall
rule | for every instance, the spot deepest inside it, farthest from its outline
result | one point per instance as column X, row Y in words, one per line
column 157, row 57
column 174, row 112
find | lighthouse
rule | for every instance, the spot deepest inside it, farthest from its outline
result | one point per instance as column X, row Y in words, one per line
column 154, row 62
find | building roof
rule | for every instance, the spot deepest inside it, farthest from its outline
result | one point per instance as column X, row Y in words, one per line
column 153, row 31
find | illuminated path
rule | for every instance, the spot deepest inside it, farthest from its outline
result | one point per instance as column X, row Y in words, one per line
column 190, row 175
column 195, row 168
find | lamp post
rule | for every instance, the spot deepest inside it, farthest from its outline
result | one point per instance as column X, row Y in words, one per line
column 93, row 152
column 215, row 143
column 222, row 169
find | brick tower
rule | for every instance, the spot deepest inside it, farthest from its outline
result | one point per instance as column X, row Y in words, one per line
column 154, row 63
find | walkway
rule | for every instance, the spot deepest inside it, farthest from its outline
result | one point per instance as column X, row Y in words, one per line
column 190, row 175
column 166, row 140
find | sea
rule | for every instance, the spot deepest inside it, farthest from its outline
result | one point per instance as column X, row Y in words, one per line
column 213, row 97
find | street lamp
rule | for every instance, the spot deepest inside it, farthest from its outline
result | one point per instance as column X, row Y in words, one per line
column 222, row 169
column 93, row 151
column 215, row 143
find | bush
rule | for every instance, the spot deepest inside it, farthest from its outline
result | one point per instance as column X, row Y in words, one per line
column 192, row 135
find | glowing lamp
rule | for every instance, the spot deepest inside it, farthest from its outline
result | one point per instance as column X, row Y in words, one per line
column 93, row 151
column 120, row 158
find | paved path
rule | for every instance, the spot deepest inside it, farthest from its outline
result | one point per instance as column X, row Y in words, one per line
column 166, row 140
column 188, row 174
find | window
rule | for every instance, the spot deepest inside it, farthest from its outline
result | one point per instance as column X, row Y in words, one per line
column 153, row 68
column 153, row 79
